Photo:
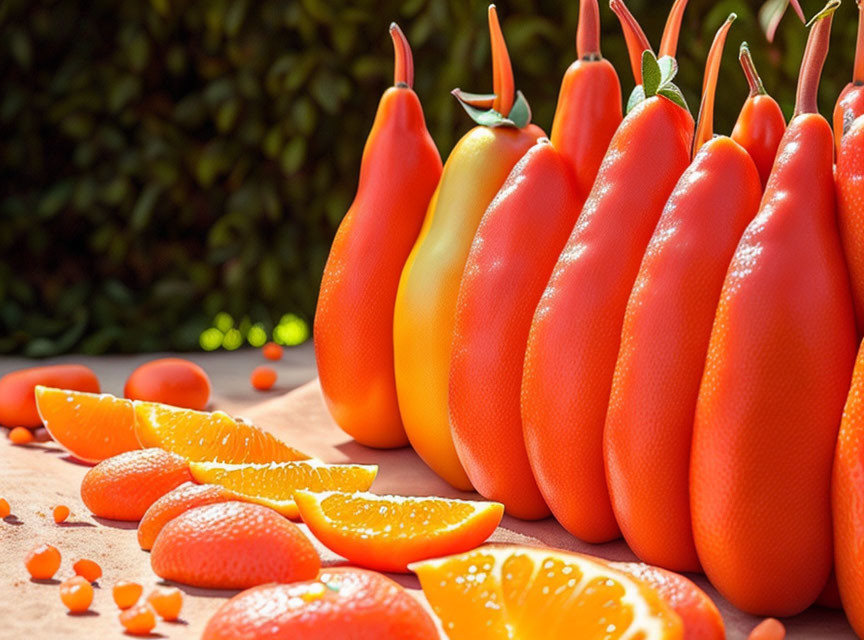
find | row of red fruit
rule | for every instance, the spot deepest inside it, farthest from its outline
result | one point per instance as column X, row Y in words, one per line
column 641, row 328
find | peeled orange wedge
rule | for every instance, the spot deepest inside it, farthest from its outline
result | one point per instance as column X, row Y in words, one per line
column 388, row 533
column 200, row 435
column 505, row 592
column 274, row 484
column 91, row 426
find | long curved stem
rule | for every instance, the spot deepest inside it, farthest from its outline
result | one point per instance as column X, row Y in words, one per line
column 403, row 71
column 672, row 30
column 705, row 125
column 806, row 97
column 637, row 41
column 502, row 71
column 750, row 72
column 588, row 31
column 858, row 73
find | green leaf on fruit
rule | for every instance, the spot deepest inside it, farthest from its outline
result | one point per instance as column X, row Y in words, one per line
column 519, row 116
column 657, row 80
column 520, row 113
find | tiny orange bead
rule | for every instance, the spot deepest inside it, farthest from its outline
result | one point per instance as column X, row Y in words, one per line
column 77, row 594
column 21, row 435
column 139, row 620
column 61, row 512
column 263, row 378
column 167, row 602
column 42, row 562
column 768, row 629
column 126, row 593
column 272, row 351
column 4, row 508
column 87, row 569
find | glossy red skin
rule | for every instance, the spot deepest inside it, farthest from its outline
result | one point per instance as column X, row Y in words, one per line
column 586, row 118
column 772, row 393
column 173, row 381
column 759, row 129
column 353, row 329
column 513, row 253
column 575, row 332
column 664, row 340
column 17, row 390
column 850, row 99
column 849, row 176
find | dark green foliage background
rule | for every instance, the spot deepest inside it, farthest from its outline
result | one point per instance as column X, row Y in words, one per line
column 163, row 161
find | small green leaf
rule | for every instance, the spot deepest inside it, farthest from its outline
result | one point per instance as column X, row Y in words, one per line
column 637, row 96
column 478, row 100
column 673, row 93
column 487, row 117
column 520, row 114
column 668, row 68
column 652, row 76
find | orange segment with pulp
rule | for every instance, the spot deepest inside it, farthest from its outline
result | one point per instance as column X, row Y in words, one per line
column 388, row 533
column 91, row 426
column 274, row 484
column 504, row 592
column 201, row 435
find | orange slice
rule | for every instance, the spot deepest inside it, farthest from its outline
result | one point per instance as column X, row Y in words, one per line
column 388, row 533
column 200, row 435
column 91, row 426
column 274, row 484
column 503, row 592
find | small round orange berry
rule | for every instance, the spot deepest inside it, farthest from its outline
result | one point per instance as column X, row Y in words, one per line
column 21, row 435
column 77, row 594
column 4, row 508
column 42, row 562
column 166, row 601
column 61, row 512
column 87, row 569
column 272, row 351
column 126, row 593
column 263, row 378
column 139, row 620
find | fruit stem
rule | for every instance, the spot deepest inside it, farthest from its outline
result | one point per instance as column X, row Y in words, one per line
column 858, row 72
column 672, row 30
column 502, row 71
column 753, row 79
column 705, row 126
column 403, row 71
column 637, row 41
column 588, row 31
column 806, row 97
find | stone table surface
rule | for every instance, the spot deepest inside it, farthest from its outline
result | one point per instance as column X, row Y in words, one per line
column 39, row 476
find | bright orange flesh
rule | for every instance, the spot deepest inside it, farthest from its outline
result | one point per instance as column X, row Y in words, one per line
column 187, row 496
column 42, row 562
column 388, row 533
column 17, row 399
column 77, row 594
column 124, row 487
column 273, row 485
column 92, row 427
column 198, row 435
column 174, row 381
column 372, row 606
column 87, row 569
column 233, row 545
column 701, row 618
column 167, row 602
column 501, row 592
column 138, row 620
column 126, row 593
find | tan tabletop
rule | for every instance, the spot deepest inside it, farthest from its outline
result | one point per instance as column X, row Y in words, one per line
column 37, row 477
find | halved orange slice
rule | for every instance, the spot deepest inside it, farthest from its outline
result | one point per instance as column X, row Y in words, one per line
column 91, row 426
column 274, row 484
column 388, row 533
column 201, row 435
column 503, row 592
